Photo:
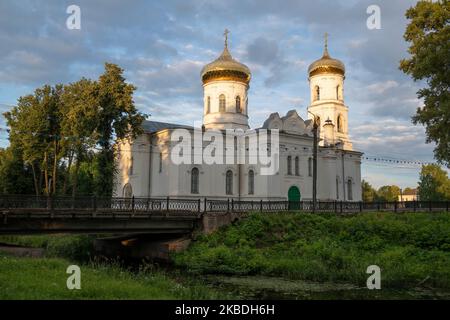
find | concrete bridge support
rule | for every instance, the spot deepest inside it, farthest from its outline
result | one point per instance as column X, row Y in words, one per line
column 141, row 247
column 159, row 247
column 213, row 221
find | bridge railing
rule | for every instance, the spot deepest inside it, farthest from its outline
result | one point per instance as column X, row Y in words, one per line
column 193, row 205
column 91, row 203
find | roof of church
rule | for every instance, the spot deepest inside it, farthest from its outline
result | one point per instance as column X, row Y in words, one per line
column 225, row 67
column 155, row 126
column 225, row 62
column 326, row 64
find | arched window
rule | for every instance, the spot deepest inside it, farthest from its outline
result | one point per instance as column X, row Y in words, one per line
column 340, row 126
column 251, row 182
column 310, row 165
column 297, row 166
column 194, row 180
column 349, row 189
column 208, row 105
column 337, row 92
column 229, row 182
column 337, row 188
column 238, row 104
column 316, row 93
column 160, row 162
column 289, row 165
column 222, row 103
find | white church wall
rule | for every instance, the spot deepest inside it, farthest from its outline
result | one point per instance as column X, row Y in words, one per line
column 132, row 165
column 326, row 175
column 328, row 87
column 214, row 119
column 175, row 180
column 329, row 104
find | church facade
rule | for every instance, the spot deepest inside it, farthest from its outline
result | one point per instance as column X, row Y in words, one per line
column 146, row 169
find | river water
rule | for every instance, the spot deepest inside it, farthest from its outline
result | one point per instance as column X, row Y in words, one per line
column 260, row 287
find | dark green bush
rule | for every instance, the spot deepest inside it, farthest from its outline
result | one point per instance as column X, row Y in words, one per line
column 409, row 248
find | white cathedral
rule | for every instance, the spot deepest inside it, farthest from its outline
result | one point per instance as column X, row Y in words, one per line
column 145, row 168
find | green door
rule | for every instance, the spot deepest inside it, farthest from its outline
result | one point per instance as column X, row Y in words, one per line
column 294, row 198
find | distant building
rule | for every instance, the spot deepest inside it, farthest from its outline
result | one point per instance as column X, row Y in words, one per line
column 408, row 195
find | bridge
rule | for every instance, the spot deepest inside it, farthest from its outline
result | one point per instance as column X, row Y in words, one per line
column 28, row 214
column 153, row 227
column 132, row 227
column 39, row 214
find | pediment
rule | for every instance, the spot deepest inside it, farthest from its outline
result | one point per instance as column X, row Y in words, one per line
column 273, row 122
column 290, row 123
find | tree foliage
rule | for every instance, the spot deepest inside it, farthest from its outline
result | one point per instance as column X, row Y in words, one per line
column 388, row 193
column 428, row 33
column 117, row 118
column 369, row 194
column 35, row 130
column 434, row 184
column 15, row 176
column 62, row 135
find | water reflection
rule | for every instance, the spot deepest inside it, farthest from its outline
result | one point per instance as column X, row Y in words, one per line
column 258, row 287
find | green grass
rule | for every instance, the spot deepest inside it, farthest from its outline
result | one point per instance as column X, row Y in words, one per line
column 27, row 278
column 45, row 278
column 73, row 247
column 411, row 249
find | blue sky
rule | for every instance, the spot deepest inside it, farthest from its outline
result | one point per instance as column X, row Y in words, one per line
column 163, row 45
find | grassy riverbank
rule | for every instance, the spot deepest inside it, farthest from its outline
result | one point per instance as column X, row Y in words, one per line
column 412, row 249
column 45, row 278
column 73, row 247
column 268, row 256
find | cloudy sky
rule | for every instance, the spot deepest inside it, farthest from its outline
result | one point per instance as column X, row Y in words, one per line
column 163, row 45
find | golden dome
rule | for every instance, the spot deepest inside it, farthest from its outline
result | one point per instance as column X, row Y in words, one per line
column 225, row 68
column 326, row 64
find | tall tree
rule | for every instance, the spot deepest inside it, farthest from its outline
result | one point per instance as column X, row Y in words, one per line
column 368, row 192
column 434, row 184
column 80, row 108
column 428, row 33
column 35, row 129
column 118, row 118
column 57, row 127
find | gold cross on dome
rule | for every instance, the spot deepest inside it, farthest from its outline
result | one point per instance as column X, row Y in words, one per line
column 225, row 33
column 326, row 40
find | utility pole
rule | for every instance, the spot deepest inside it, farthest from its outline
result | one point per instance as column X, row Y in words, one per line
column 315, row 127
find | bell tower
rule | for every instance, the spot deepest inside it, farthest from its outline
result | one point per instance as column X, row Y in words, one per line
column 326, row 81
column 225, row 86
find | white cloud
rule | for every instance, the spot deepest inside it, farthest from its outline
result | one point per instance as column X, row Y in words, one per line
column 381, row 87
column 163, row 48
